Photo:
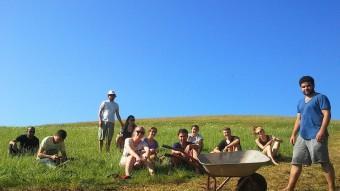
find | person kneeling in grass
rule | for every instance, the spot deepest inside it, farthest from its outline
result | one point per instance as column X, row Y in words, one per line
column 50, row 148
column 185, row 152
column 136, row 153
column 230, row 143
column 268, row 144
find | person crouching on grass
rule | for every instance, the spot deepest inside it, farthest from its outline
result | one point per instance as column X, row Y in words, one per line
column 135, row 154
column 230, row 143
column 268, row 144
column 50, row 148
column 185, row 152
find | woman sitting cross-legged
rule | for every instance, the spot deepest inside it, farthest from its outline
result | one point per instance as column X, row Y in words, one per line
column 136, row 153
column 230, row 142
column 268, row 144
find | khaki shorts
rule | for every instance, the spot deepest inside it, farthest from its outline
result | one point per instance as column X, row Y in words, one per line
column 310, row 151
column 106, row 131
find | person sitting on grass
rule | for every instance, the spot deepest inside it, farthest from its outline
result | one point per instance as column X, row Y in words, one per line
column 135, row 154
column 185, row 152
column 153, row 145
column 126, row 131
column 29, row 143
column 51, row 147
column 268, row 144
column 230, row 143
column 195, row 138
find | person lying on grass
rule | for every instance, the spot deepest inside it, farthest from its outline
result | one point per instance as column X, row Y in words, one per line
column 268, row 144
column 230, row 143
column 195, row 138
column 50, row 148
column 28, row 143
column 184, row 152
column 135, row 154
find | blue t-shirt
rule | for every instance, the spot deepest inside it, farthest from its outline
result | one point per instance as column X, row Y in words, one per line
column 311, row 115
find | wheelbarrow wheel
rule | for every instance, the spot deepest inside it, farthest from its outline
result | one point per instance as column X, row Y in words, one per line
column 254, row 182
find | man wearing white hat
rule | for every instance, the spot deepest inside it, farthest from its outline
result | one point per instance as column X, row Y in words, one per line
column 107, row 111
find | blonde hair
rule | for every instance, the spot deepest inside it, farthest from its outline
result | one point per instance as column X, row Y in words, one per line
column 257, row 129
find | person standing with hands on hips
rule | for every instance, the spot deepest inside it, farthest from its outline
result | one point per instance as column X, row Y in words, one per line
column 310, row 135
column 107, row 111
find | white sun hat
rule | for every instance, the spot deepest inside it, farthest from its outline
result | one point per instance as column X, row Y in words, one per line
column 111, row 92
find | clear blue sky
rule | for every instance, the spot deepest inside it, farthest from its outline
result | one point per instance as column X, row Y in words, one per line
column 164, row 58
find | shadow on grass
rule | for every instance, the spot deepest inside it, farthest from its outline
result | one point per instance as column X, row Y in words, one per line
column 282, row 158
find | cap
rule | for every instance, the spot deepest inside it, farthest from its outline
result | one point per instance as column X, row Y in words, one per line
column 111, row 92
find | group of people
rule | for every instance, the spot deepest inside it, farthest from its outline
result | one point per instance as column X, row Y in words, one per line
column 309, row 138
column 51, row 151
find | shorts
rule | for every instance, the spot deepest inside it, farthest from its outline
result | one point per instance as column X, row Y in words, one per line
column 106, row 131
column 306, row 152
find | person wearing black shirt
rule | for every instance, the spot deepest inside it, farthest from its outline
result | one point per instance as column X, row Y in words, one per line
column 28, row 143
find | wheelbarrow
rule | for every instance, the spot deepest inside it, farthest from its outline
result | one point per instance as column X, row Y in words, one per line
column 241, row 164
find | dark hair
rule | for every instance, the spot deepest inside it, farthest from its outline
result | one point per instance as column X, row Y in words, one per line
column 226, row 129
column 304, row 79
column 30, row 127
column 183, row 131
column 153, row 128
column 198, row 128
column 61, row 133
column 127, row 122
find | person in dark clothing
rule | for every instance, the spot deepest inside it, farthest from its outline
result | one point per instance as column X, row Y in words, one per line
column 230, row 143
column 28, row 143
column 126, row 131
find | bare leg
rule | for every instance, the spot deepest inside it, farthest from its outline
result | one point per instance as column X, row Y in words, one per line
column 329, row 173
column 275, row 148
column 100, row 145
column 295, row 172
column 108, row 143
column 130, row 161
column 269, row 153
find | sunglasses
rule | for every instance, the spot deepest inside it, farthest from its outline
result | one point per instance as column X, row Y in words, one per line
column 140, row 132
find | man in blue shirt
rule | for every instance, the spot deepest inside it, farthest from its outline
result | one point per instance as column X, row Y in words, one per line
column 311, row 144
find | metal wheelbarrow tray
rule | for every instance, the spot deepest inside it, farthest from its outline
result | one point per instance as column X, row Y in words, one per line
column 232, row 164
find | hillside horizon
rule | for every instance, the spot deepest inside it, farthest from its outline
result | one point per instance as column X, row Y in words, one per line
column 193, row 117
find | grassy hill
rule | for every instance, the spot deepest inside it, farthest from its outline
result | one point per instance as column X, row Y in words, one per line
column 89, row 170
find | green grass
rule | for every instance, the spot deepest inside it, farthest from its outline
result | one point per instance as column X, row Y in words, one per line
column 90, row 168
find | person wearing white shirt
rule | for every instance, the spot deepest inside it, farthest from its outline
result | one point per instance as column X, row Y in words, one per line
column 107, row 111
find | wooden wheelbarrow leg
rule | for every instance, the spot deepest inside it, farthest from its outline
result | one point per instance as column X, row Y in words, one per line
column 223, row 183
